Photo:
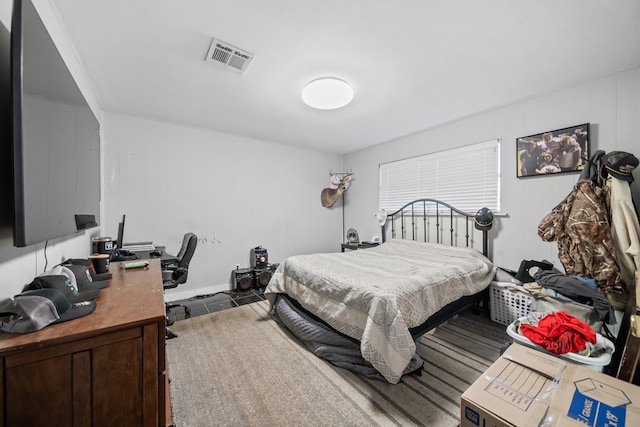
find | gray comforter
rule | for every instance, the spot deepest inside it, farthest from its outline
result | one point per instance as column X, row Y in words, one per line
column 376, row 295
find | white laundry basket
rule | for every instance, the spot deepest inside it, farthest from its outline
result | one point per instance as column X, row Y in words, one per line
column 595, row 363
column 508, row 302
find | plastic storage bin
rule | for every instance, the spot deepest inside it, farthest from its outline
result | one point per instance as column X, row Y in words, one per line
column 595, row 363
column 506, row 304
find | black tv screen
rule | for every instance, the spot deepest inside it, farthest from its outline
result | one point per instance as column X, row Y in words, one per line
column 6, row 175
column 56, row 141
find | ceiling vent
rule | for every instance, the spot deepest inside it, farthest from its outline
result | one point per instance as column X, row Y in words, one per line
column 228, row 56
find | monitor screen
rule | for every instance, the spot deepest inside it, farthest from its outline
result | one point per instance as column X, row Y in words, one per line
column 120, row 240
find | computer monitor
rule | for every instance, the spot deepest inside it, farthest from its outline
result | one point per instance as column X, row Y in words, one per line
column 120, row 241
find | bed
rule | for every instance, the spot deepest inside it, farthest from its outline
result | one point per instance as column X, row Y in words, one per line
column 364, row 309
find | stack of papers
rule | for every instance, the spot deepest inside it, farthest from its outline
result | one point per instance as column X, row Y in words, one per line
column 139, row 247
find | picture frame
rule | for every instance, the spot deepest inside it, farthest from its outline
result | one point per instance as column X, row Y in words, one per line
column 552, row 152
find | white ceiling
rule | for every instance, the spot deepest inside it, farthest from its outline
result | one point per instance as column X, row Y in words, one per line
column 413, row 64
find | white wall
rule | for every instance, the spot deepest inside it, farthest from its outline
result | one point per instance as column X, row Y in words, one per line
column 235, row 193
column 610, row 104
column 18, row 266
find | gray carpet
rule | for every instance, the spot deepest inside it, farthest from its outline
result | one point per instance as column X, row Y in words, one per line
column 238, row 367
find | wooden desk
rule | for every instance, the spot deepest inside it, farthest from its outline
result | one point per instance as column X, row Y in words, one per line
column 107, row 368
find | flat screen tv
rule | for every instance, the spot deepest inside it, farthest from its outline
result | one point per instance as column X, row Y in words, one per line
column 6, row 175
column 55, row 138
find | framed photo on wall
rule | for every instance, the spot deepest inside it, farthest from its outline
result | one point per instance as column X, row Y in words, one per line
column 552, row 152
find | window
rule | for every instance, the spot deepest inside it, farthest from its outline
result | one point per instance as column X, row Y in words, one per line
column 467, row 178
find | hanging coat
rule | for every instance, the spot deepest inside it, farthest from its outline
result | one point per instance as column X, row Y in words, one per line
column 580, row 226
column 625, row 227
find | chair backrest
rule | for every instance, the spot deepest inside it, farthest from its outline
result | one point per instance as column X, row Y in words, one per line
column 180, row 270
column 189, row 243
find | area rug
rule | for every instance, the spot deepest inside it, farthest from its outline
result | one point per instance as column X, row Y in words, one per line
column 238, row 367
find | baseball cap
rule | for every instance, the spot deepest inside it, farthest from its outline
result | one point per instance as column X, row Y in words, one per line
column 87, row 263
column 83, row 278
column 62, row 283
column 620, row 164
column 35, row 309
column 81, row 284
column 484, row 219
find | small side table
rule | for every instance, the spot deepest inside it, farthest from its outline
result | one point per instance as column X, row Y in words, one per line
column 356, row 246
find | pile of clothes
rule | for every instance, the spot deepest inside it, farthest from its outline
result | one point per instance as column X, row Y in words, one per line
column 567, row 313
column 556, row 288
column 596, row 226
column 560, row 333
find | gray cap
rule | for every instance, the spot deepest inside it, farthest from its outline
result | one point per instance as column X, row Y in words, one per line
column 33, row 310
column 80, row 277
column 620, row 164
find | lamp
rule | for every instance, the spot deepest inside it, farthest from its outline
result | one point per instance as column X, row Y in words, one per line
column 327, row 93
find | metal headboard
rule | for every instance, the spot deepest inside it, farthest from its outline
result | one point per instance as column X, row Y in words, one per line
column 423, row 210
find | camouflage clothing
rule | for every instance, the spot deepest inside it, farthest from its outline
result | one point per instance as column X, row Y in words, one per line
column 580, row 225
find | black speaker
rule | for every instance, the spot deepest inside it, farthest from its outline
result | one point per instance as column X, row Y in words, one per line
column 262, row 276
column 243, row 278
column 259, row 257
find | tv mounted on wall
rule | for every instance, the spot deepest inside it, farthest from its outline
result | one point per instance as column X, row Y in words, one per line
column 55, row 137
column 6, row 175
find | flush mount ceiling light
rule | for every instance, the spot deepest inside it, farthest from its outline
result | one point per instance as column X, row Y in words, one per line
column 327, row 93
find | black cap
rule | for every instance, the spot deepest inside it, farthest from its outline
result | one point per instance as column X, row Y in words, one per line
column 42, row 307
column 484, row 219
column 87, row 263
column 83, row 277
column 63, row 284
column 620, row 164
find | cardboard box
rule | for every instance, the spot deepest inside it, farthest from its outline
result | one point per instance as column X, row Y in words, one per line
column 526, row 387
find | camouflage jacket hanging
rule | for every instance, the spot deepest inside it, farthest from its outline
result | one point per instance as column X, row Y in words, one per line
column 580, row 226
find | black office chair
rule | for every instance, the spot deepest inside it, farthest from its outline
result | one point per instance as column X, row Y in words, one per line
column 175, row 273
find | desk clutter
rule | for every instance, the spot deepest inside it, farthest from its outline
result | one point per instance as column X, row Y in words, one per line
column 108, row 246
column 136, row 264
column 65, row 292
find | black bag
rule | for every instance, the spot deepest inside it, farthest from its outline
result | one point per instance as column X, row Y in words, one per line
column 523, row 272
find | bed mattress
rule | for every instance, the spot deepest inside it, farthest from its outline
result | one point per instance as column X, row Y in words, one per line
column 376, row 295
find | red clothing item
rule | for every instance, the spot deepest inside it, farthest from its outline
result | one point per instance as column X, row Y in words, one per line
column 560, row 333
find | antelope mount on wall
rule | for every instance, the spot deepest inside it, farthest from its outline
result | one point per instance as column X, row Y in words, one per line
column 337, row 186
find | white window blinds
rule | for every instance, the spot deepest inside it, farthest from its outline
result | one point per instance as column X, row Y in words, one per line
column 467, row 178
